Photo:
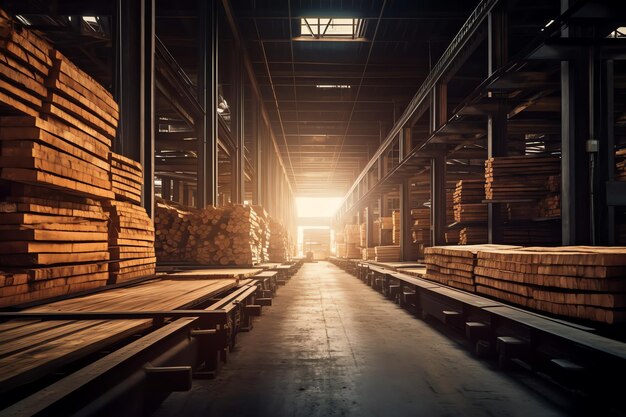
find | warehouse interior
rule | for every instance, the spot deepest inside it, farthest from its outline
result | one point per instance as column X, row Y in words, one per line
column 312, row 207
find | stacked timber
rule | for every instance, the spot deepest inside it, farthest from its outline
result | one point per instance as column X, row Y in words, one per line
column 25, row 64
column 131, row 242
column 395, row 222
column 363, row 235
column 473, row 235
column 575, row 281
column 51, row 244
column 450, row 202
column 126, row 178
column 352, row 234
column 387, row 253
column 452, row 236
column 620, row 165
column 454, row 265
column 420, row 231
column 550, row 205
column 519, row 177
column 279, row 242
column 350, row 251
column 368, row 254
column 376, row 232
column 172, row 231
column 264, row 231
column 467, row 198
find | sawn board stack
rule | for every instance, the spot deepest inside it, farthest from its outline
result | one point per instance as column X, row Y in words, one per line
column 126, row 178
column 575, row 281
column 395, row 221
column 51, row 244
column 368, row 254
column 131, row 242
column 387, row 253
column 468, row 206
column 519, row 177
column 421, row 226
column 454, row 265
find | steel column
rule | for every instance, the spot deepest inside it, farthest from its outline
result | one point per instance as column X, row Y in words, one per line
column 407, row 247
column 237, row 128
column 497, row 40
column 438, row 200
column 207, row 125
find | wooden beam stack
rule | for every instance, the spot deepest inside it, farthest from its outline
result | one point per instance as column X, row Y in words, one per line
column 51, row 244
column 363, row 235
column 387, row 253
column 519, row 177
column 395, row 221
column 126, row 178
column 575, row 281
column 421, row 226
column 454, row 265
column 279, row 242
column 368, row 254
column 468, row 205
column 172, row 231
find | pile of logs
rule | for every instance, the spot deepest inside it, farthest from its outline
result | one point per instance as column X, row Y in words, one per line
column 395, row 221
column 171, row 231
column 387, row 253
column 279, row 242
column 454, row 265
column 131, row 241
column 468, row 205
column 519, row 177
column 620, row 164
column 575, row 281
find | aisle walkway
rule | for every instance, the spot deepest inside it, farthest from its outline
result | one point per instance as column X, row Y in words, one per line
column 331, row 346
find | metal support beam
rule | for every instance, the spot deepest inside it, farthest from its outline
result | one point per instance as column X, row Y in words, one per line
column 438, row 200
column 497, row 121
column 134, row 45
column 237, row 123
column 605, row 118
column 207, row 126
column 407, row 247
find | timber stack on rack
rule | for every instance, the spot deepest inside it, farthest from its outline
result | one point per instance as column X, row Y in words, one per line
column 126, row 178
column 386, row 230
column 454, row 265
column 519, row 177
column 421, row 226
column 583, row 282
column 395, row 222
column 368, row 254
column 550, row 205
column 350, row 249
column 279, row 242
column 387, row 253
column 468, row 205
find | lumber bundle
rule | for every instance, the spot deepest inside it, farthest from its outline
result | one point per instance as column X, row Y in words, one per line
column 387, row 253
column 348, row 250
column 352, row 234
column 171, row 223
column 395, row 221
column 454, row 265
column 420, row 231
column 467, row 199
column 279, row 242
column 131, row 242
column 620, row 165
column 583, row 282
column 363, row 235
column 519, row 177
column 51, row 244
column 264, row 231
column 368, row 254
column 126, row 178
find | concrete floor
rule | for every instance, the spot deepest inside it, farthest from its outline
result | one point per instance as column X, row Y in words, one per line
column 331, row 346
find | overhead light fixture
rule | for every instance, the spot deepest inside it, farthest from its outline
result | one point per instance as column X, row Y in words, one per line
column 330, row 28
column 337, row 86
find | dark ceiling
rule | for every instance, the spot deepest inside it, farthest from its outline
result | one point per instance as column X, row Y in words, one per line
column 327, row 135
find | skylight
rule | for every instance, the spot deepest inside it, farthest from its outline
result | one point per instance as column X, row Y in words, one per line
column 620, row 32
column 326, row 28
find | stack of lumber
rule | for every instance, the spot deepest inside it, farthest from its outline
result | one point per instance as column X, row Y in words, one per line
column 452, row 236
column 575, row 281
column 620, row 164
column 279, row 242
column 376, row 232
column 131, row 241
column 352, row 234
column 385, row 230
column 51, row 244
column 348, row 250
column 363, row 235
column 386, row 223
column 519, row 177
column 368, row 254
column 472, row 235
column 450, row 203
column 126, row 178
column 172, row 231
column 395, row 221
column 454, row 265
column 387, row 253
column 25, row 64
column 468, row 206
column 550, row 205
column 420, row 230
column 238, row 237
